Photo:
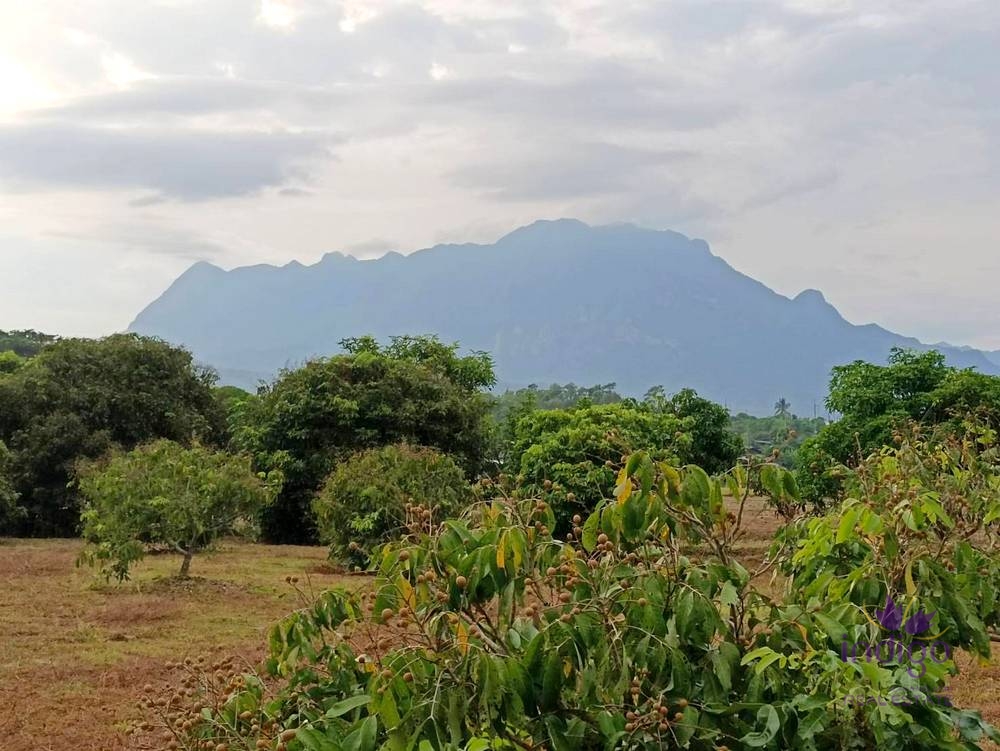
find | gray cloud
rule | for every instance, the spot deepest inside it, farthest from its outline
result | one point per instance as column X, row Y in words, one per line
column 603, row 95
column 188, row 96
column 182, row 164
column 566, row 171
column 777, row 129
column 151, row 237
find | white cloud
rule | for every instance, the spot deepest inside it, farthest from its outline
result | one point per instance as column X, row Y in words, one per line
column 278, row 14
column 797, row 136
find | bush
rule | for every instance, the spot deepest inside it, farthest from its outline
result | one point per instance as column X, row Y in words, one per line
column 488, row 634
column 163, row 495
column 571, row 456
column 714, row 446
column 415, row 390
column 368, row 500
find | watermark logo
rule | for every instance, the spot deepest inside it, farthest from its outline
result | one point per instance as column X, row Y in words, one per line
column 907, row 642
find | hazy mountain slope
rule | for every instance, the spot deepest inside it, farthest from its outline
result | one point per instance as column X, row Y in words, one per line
column 554, row 301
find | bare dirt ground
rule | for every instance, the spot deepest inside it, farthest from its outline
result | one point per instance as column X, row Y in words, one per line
column 75, row 652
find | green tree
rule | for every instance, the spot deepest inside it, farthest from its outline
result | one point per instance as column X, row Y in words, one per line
column 374, row 496
column 9, row 510
column 10, row 362
column 763, row 436
column 77, row 398
column 714, row 446
column 163, row 495
column 26, row 343
column 782, row 408
column 414, row 390
column 571, row 456
column 876, row 401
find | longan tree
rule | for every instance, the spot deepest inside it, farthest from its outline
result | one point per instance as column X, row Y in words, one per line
column 163, row 495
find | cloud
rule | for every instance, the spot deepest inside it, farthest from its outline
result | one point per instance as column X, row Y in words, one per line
column 565, row 171
column 795, row 135
column 183, row 164
column 152, row 237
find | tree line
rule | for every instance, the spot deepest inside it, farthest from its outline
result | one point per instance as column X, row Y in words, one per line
column 340, row 446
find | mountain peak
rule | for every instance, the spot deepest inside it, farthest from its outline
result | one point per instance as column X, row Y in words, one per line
column 553, row 302
column 811, row 296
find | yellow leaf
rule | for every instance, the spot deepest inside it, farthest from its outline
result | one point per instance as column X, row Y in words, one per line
column 463, row 638
column 406, row 590
column 500, row 552
column 624, row 488
column 911, row 587
column 567, row 668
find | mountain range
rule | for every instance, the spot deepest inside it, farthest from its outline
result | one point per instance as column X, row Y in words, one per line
column 555, row 301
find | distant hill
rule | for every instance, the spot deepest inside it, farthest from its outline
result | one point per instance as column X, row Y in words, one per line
column 554, row 302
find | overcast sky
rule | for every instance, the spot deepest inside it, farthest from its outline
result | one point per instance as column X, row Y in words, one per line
column 847, row 145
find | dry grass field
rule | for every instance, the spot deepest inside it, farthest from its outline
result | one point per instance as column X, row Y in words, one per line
column 75, row 652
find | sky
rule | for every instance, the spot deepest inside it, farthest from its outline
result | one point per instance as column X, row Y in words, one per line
column 851, row 146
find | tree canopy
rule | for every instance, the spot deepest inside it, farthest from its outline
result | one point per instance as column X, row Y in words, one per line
column 875, row 401
column 26, row 343
column 714, row 446
column 577, row 450
column 9, row 510
column 370, row 498
column 165, row 495
column 78, row 398
column 413, row 390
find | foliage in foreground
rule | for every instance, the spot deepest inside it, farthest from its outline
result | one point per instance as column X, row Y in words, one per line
column 163, row 495
column 645, row 631
column 368, row 498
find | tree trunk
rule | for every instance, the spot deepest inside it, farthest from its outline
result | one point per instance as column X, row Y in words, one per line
column 186, row 565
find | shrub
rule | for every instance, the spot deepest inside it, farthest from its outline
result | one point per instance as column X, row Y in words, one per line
column 168, row 496
column 415, row 390
column 485, row 633
column 368, row 499
column 714, row 446
column 571, row 456
column 917, row 518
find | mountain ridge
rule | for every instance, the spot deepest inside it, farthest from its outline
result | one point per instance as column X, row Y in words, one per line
column 553, row 301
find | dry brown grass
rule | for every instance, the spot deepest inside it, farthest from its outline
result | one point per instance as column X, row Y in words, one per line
column 76, row 652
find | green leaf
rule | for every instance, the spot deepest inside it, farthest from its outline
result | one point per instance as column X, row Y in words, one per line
column 552, row 680
column 729, row 596
column 768, row 717
column 832, row 626
column 314, row 740
column 343, row 707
